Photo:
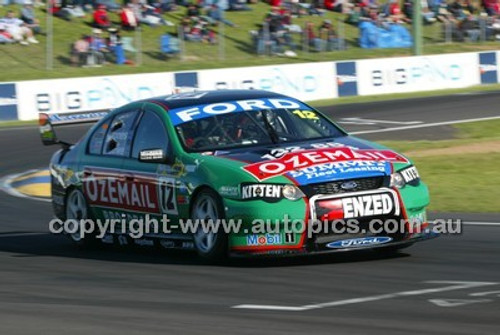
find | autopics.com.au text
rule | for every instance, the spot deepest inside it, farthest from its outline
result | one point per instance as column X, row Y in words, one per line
column 140, row 227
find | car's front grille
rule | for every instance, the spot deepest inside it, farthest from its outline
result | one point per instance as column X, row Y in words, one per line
column 335, row 187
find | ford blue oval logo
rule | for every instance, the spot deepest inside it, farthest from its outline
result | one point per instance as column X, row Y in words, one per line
column 359, row 242
column 349, row 185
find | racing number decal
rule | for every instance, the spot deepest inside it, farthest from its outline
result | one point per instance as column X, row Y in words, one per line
column 166, row 195
column 306, row 114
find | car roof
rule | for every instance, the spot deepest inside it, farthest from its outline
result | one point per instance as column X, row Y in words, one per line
column 210, row 97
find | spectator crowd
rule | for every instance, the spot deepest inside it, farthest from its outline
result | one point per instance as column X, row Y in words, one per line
column 277, row 33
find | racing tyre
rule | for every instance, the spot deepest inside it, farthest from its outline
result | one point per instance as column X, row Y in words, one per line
column 77, row 210
column 211, row 245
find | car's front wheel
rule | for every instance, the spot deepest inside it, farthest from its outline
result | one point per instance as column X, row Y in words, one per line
column 209, row 242
column 76, row 212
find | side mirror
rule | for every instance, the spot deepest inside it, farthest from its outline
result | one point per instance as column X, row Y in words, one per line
column 47, row 132
column 154, row 156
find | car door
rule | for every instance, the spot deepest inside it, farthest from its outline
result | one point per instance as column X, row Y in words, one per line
column 105, row 183
column 151, row 134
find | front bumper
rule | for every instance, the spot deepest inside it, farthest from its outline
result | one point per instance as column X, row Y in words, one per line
column 409, row 209
column 428, row 235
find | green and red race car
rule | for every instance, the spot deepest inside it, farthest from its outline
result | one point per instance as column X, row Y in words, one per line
column 252, row 158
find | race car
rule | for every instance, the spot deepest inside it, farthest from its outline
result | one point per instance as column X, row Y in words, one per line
column 253, row 158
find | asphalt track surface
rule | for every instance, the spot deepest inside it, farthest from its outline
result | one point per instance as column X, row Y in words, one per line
column 450, row 285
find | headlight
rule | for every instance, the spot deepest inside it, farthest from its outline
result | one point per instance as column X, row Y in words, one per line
column 405, row 176
column 270, row 192
column 292, row 192
column 397, row 180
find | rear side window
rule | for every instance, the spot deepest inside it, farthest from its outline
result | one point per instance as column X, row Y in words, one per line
column 97, row 139
column 150, row 134
column 119, row 134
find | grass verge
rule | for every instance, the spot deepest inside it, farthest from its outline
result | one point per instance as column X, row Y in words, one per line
column 460, row 182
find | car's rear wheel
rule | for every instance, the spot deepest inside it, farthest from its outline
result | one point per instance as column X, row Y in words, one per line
column 77, row 210
column 210, row 244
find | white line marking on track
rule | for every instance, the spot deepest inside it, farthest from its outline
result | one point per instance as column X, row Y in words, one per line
column 456, row 302
column 472, row 223
column 482, row 294
column 455, row 285
column 425, row 125
column 363, row 121
column 476, row 223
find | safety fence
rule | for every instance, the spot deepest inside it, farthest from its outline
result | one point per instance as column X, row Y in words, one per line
column 306, row 81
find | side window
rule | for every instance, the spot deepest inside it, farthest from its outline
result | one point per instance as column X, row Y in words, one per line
column 119, row 135
column 150, row 134
column 97, row 139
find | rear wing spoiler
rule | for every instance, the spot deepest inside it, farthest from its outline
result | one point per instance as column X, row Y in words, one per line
column 47, row 121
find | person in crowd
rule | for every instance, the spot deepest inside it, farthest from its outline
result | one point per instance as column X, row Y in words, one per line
column 193, row 10
column 217, row 14
column 80, row 51
column 97, row 47
column 17, row 29
column 469, row 29
column 101, row 18
column 128, row 19
column 115, row 46
column 146, row 14
column 328, row 34
column 5, row 37
column 238, row 5
column 28, row 16
column 313, row 41
column 354, row 17
column 65, row 9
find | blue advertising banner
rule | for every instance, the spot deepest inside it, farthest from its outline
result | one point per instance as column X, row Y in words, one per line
column 347, row 80
column 8, row 102
column 488, row 67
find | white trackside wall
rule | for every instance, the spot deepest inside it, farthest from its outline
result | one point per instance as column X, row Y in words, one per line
column 306, row 81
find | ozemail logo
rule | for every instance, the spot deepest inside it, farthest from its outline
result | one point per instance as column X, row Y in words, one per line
column 307, row 158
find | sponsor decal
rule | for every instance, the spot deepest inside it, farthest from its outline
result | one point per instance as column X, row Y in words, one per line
column 340, row 170
column 367, row 205
column 308, row 158
column 359, row 242
column 144, row 242
column 167, row 195
column 229, row 191
column 151, row 154
column 108, row 190
column 347, row 80
column 266, row 239
column 290, row 238
column 108, row 239
column 187, row 245
column 122, row 240
column 167, row 244
column 261, row 191
column 410, row 174
column 279, row 152
column 488, row 67
column 76, row 117
column 359, row 206
column 182, row 115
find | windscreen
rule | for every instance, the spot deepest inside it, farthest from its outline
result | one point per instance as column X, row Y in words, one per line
column 254, row 128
